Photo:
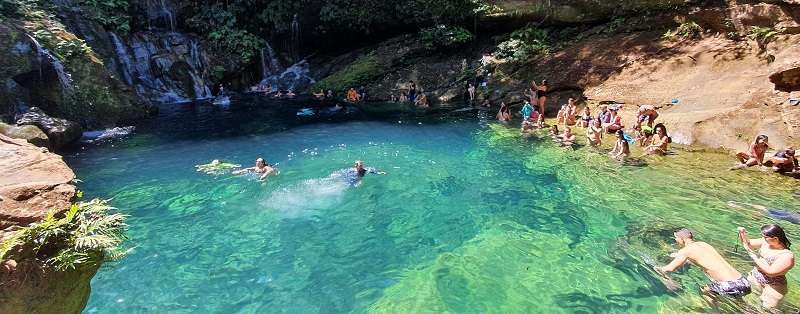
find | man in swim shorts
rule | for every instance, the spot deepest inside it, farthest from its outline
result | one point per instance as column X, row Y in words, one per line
column 725, row 280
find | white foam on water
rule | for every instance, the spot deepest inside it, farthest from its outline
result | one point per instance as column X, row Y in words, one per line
column 309, row 196
column 107, row 134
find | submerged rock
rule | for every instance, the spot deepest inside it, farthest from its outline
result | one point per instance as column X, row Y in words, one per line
column 60, row 131
column 30, row 133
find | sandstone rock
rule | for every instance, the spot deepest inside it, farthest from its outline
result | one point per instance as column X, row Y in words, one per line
column 30, row 133
column 765, row 15
column 60, row 131
column 787, row 79
column 33, row 183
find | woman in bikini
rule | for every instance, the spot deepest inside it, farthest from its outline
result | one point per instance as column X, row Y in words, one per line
column 772, row 259
column 504, row 115
column 542, row 96
column 660, row 141
column 586, row 117
column 756, row 154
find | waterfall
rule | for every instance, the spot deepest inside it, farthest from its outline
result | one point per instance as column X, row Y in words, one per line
column 63, row 76
column 123, row 57
column 195, row 59
column 161, row 12
column 269, row 62
column 294, row 44
column 294, row 77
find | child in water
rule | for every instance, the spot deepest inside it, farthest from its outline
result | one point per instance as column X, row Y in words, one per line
column 621, row 149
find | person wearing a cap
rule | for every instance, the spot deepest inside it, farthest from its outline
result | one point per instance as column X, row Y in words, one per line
column 614, row 121
column 261, row 167
column 725, row 280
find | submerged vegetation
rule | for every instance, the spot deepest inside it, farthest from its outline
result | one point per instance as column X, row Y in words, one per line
column 86, row 233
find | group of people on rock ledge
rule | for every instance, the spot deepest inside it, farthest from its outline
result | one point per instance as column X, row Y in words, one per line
column 411, row 93
column 652, row 137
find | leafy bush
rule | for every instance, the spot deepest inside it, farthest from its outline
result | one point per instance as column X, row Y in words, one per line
column 83, row 234
column 220, row 28
column 112, row 14
column 763, row 34
column 524, row 44
column 685, row 30
column 444, row 37
column 64, row 50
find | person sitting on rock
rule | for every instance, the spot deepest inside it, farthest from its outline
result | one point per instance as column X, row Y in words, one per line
column 783, row 161
column 471, row 92
column 320, row 95
column 615, row 121
column 261, row 167
column 755, row 156
column 279, row 94
column 660, row 141
column 290, row 94
column 586, row 117
column 362, row 93
column 421, row 101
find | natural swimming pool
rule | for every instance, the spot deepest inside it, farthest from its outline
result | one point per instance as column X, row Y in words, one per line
column 471, row 218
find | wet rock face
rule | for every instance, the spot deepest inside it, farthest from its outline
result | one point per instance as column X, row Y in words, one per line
column 787, row 79
column 60, row 131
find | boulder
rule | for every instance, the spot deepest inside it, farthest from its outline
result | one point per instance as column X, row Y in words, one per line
column 30, row 133
column 765, row 15
column 34, row 181
column 787, row 79
column 60, row 131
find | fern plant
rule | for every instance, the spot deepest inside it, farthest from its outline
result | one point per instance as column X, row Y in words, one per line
column 85, row 233
column 762, row 36
column 685, row 30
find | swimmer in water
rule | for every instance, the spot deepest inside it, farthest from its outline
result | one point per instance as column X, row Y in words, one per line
column 261, row 167
column 358, row 171
column 774, row 213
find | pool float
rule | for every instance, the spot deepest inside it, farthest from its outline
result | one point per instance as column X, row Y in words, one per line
column 216, row 167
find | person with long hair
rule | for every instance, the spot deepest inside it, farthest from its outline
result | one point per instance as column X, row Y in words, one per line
column 754, row 157
column 772, row 259
column 660, row 141
column 504, row 115
column 621, row 148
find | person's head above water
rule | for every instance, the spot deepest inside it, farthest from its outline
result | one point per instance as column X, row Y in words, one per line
column 260, row 163
column 621, row 134
column 683, row 234
column 774, row 236
column 359, row 164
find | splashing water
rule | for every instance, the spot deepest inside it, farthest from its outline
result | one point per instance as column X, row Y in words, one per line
column 107, row 134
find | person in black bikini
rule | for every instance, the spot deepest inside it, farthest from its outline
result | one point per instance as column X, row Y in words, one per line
column 772, row 262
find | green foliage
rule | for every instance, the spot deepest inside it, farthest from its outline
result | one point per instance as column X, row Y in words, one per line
column 762, row 34
column 524, row 44
column 356, row 74
column 84, row 232
column 64, row 50
column 220, row 28
column 686, row 30
column 112, row 14
column 444, row 37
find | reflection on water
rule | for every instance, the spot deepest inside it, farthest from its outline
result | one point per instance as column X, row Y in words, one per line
column 471, row 218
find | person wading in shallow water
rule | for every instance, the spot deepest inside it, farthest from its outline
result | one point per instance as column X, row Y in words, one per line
column 772, row 261
column 725, row 280
column 261, row 167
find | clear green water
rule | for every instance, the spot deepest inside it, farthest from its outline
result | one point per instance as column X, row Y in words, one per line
column 471, row 219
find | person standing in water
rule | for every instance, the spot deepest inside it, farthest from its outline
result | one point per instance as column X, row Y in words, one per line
column 261, row 167
column 471, row 91
column 526, row 111
column 725, row 280
column 772, row 262
column 542, row 96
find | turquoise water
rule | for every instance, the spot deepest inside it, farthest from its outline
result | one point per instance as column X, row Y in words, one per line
column 471, row 218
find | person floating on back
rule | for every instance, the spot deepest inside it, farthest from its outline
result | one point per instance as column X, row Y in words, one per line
column 725, row 280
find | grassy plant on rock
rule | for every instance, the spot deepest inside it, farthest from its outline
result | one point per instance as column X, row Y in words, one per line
column 86, row 233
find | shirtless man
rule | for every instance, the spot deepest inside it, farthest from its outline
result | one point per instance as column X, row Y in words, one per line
column 568, row 138
column 261, row 167
column 725, row 280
